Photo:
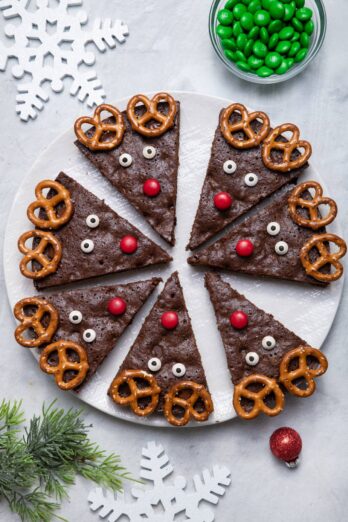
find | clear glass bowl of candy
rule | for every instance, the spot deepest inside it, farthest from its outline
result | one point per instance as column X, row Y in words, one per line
column 267, row 41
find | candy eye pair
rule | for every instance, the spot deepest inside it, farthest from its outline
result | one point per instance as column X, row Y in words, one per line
column 281, row 247
column 89, row 335
column 250, row 179
column 125, row 160
column 155, row 365
column 268, row 343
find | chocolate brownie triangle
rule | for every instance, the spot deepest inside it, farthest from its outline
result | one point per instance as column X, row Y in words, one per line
column 91, row 249
column 151, row 158
column 241, row 174
column 164, row 358
column 272, row 246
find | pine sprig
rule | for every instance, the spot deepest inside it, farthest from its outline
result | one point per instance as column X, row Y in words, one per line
column 44, row 462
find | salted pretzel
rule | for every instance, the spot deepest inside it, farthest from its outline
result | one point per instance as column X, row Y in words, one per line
column 315, row 219
column 270, row 386
column 63, row 349
column 138, row 123
column 129, row 378
column 303, row 371
column 95, row 141
column 286, row 147
column 33, row 322
column 198, row 392
column 252, row 138
column 52, row 220
column 37, row 253
column 319, row 242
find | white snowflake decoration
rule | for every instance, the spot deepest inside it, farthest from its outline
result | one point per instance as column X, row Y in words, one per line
column 49, row 43
column 162, row 502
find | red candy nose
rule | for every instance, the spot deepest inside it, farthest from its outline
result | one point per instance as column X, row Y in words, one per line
column 169, row 320
column 244, row 248
column 117, row 306
column 128, row 244
column 151, row 188
column 239, row 319
column 222, row 201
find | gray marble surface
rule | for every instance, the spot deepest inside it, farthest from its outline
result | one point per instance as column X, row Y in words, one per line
column 169, row 48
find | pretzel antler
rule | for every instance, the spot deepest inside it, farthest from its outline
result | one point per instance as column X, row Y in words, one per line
column 315, row 220
column 48, row 265
column 53, row 219
column 319, row 243
column 252, row 138
column 131, row 380
column 95, row 141
column 286, row 147
column 33, row 323
column 269, row 387
column 198, row 393
column 165, row 121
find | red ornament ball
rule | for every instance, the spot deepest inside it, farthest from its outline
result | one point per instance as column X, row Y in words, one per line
column 286, row 444
column 151, row 188
column 117, row 306
column 129, row 244
column 222, row 201
column 239, row 319
column 244, row 248
column 170, row 320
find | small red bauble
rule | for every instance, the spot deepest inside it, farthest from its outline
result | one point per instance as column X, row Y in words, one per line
column 117, row 306
column 169, row 320
column 128, row 244
column 244, row 248
column 239, row 319
column 151, row 188
column 222, row 201
column 286, row 444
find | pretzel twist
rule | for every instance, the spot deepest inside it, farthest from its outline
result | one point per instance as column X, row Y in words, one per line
column 287, row 376
column 37, row 254
column 53, row 220
column 62, row 348
column 129, row 377
column 315, row 220
column 270, row 386
column 34, row 322
column 253, row 139
column 286, row 147
column 166, row 121
column 325, row 257
column 198, row 392
column 95, row 141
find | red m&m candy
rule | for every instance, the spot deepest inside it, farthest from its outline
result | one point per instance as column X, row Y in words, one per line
column 169, row 320
column 151, row 188
column 244, row 248
column 117, row 306
column 239, row 319
column 222, row 201
column 128, row 244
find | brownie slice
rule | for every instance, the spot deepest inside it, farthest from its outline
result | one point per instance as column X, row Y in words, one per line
column 238, row 343
column 264, row 261
column 159, row 211
column 170, row 346
column 209, row 220
column 107, row 256
column 92, row 303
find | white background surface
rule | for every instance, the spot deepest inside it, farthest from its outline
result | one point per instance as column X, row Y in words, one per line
column 169, row 48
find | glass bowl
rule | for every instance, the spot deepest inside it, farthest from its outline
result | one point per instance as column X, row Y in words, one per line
column 317, row 39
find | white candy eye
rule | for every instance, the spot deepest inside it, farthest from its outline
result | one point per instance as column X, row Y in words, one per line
column 89, row 335
column 92, row 221
column 75, row 317
column 179, row 370
column 154, row 364
column 252, row 358
column 281, row 248
column 149, row 152
column 230, row 166
column 273, row 228
column 87, row 246
column 268, row 342
column 251, row 179
column 125, row 160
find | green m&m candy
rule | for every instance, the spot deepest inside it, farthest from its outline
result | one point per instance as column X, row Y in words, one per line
column 230, row 55
column 240, row 56
column 255, row 62
column 283, row 47
column 254, row 6
column 297, row 24
column 259, row 49
column 301, row 55
column 273, row 41
column 309, row 27
column 229, row 43
column 289, row 11
column 238, row 10
column 264, row 71
column 283, row 68
column 247, row 21
column 264, row 36
column 230, row 4
column 254, row 33
column 225, row 17
column 243, row 66
column 242, row 40
column 304, row 14
column 273, row 60
column 300, row 3
column 248, row 49
column 262, row 18
column 294, row 49
column 304, row 39
column 275, row 26
column 286, row 33
column 277, row 10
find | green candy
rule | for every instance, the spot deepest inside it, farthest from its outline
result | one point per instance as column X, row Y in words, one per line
column 247, row 21
column 304, row 39
column 254, row 33
column 259, row 49
column 283, row 47
column 230, row 4
column 243, row 66
column 304, row 14
column 254, row 6
column 309, row 27
column 237, row 29
column 283, row 68
column 277, row 10
column 262, row 18
column 289, row 11
column 264, row 71
column 294, row 49
column 246, row 2
column 290, row 62
column 273, row 41
column 229, row 43
column 254, row 62
column 248, row 49
column 273, row 60
column 266, row 4
column 301, row 55
column 264, row 36
column 275, row 26
column 286, row 33
column 225, row 17
column 300, row 3
column 230, row 55
column 295, row 37
column 240, row 56
column 224, row 32
column 238, row 10
column 242, row 40
column 297, row 24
